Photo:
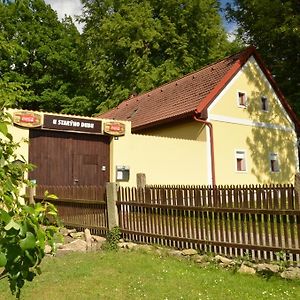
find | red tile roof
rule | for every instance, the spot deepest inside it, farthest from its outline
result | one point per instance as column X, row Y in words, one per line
column 188, row 95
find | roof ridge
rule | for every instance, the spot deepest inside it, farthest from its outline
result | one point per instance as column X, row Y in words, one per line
column 244, row 51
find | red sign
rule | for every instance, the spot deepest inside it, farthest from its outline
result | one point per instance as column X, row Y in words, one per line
column 27, row 119
column 114, row 128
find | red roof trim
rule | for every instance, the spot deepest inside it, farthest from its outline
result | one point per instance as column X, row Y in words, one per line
column 233, row 71
column 225, row 80
column 163, row 121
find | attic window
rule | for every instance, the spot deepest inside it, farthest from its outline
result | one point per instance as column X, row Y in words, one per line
column 274, row 163
column 242, row 99
column 240, row 157
column 264, row 103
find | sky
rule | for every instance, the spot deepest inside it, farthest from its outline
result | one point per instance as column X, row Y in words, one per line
column 67, row 7
column 74, row 7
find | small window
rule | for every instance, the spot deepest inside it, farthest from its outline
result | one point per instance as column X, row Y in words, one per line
column 240, row 161
column 264, row 104
column 242, row 99
column 274, row 164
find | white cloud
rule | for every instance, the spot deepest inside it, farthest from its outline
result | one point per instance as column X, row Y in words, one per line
column 67, row 7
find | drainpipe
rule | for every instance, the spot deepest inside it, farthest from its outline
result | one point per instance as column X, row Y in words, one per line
column 212, row 151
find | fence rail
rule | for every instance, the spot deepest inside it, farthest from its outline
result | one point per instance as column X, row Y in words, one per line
column 73, row 192
column 79, row 206
column 258, row 221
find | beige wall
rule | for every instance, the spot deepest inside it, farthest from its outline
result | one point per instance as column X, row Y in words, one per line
column 256, row 132
column 163, row 160
column 184, row 129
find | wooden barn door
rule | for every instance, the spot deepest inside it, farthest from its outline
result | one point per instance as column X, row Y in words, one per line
column 68, row 158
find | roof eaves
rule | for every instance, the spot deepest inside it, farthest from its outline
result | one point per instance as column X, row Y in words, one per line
column 225, row 80
column 149, row 125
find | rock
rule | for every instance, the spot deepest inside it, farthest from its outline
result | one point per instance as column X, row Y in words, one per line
column 247, row 270
column 64, row 231
column 224, row 260
column 75, row 246
column 68, row 239
column 88, row 239
column 99, row 239
column 130, row 245
column 122, row 245
column 265, row 268
column 77, row 235
column 189, row 252
column 291, row 273
column 176, row 253
column 48, row 249
column 146, row 248
column 200, row 259
column 73, row 230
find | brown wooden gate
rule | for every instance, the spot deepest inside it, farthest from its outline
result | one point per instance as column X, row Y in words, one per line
column 64, row 158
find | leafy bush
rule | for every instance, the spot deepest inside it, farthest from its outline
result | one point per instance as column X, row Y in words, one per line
column 25, row 229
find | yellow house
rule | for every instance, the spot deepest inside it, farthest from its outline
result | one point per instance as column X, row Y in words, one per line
column 228, row 123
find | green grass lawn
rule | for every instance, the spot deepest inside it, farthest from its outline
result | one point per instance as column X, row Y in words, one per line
column 138, row 275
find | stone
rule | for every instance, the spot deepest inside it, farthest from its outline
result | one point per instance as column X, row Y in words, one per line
column 145, row 247
column 176, row 253
column 291, row 273
column 75, row 246
column 48, row 249
column 73, row 230
column 64, row 231
column 189, row 252
column 267, row 268
column 200, row 259
column 77, row 235
column 246, row 270
column 130, row 245
column 68, row 239
column 99, row 239
column 122, row 245
column 88, row 239
column 224, row 260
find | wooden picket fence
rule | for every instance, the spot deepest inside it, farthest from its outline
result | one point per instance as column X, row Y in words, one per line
column 262, row 222
column 78, row 207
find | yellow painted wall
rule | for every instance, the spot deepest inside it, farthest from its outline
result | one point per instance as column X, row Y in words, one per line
column 250, row 129
column 183, row 129
column 163, row 160
column 252, row 81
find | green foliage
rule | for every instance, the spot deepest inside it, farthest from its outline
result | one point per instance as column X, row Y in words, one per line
column 273, row 26
column 43, row 57
column 24, row 229
column 133, row 46
column 112, row 238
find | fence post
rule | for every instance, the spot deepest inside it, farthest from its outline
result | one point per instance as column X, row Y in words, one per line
column 140, row 180
column 30, row 193
column 297, row 189
column 112, row 210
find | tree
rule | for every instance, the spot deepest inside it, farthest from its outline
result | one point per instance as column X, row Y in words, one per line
column 47, row 60
column 273, row 26
column 24, row 229
column 133, row 46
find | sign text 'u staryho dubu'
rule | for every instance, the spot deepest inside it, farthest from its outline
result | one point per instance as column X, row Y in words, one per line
column 72, row 124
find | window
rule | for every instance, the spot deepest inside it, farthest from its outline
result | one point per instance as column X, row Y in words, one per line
column 264, row 103
column 274, row 164
column 240, row 157
column 242, row 99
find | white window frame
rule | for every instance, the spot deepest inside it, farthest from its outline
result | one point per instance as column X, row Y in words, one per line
column 240, row 153
column 267, row 103
column 238, row 99
column 273, row 155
